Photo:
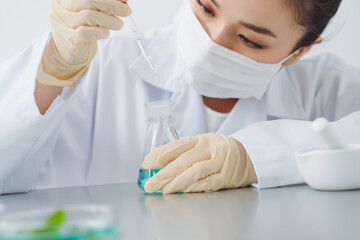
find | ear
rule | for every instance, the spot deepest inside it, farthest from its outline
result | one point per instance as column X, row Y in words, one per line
column 301, row 52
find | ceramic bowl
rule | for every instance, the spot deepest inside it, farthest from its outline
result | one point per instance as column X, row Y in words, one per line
column 330, row 169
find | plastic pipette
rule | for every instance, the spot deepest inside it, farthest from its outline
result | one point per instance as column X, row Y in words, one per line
column 132, row 24
column 144, row 49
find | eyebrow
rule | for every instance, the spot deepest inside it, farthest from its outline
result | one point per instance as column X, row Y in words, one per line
column 258, row 29
column 215, row 3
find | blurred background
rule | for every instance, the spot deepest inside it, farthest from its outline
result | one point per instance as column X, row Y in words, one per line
column 23, row 21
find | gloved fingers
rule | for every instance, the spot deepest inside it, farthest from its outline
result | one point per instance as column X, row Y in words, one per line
column 218, row 171
column 175, row 168
column 90, row 18
column 219, row 180
column 213, row 183
column 114, row 7
column 163, row 155
column 198, row 171
column 236, row 172
column 98, row 19
column 91, row 34
column 79, row 36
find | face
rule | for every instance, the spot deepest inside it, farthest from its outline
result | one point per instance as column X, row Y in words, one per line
column 263, row 30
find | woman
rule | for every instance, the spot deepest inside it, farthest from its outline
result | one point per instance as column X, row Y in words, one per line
column 230, row 67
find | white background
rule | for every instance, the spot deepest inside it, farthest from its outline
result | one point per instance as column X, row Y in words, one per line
column 22, row 21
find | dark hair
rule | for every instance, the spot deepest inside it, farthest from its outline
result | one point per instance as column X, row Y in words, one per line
column 314, row 16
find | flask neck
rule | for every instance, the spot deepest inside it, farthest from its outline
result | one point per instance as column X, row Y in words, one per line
column 161, row 118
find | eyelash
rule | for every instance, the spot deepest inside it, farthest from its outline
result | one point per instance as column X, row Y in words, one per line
column 250, row 43
column 205, row 9
column 243, row 38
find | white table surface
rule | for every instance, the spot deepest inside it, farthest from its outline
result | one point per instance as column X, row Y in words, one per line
column 290, row 213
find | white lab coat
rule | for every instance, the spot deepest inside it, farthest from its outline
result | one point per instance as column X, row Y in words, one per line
column 94, row 133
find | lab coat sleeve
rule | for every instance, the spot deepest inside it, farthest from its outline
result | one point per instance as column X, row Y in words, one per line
column 27, row 138
column 272, row 147
column 329, row 89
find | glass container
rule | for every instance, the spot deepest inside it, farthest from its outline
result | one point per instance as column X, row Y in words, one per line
column 161, row 131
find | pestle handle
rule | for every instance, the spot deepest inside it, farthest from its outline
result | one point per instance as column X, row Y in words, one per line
column 327, row 133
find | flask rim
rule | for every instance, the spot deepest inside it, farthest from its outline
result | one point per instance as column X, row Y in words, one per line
column 157, row 109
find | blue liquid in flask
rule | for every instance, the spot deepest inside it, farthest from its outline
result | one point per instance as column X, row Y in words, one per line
column 161, row 131
column 146, row 174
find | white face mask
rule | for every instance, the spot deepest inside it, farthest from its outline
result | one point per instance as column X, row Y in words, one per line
column 218, row 72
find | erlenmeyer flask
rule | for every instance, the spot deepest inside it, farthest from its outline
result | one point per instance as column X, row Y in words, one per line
column 161, row 131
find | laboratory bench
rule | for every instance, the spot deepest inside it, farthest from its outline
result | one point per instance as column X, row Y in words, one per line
column 295, row 212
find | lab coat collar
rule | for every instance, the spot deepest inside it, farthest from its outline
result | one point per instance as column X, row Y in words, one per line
column 282, row 99
column 245, row 113
column 162, row 45
column 275, row 103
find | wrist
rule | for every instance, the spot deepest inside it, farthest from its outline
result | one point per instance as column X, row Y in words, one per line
column 251, row 174
column 248, row 173
column 55, row 71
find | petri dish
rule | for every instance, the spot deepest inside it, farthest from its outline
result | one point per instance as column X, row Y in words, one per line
column 87, row 222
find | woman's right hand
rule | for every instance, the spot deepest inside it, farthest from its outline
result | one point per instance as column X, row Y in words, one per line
column 76, row 26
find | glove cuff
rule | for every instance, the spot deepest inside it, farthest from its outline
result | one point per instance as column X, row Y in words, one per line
column 55, row 71
column 249, row 176
column 244, row 174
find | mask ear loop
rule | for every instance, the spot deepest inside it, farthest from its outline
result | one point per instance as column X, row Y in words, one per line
column 290, row 56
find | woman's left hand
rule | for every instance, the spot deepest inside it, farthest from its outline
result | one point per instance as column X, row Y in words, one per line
column 207, row 162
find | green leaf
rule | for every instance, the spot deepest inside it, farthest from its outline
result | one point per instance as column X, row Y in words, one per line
column 52, row 224
column 56, row 219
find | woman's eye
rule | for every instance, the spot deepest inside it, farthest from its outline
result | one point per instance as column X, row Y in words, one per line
column 205, row 9
column 250, row 43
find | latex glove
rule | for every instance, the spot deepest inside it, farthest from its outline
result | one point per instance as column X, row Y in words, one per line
column 76, row 25
column 207, row 162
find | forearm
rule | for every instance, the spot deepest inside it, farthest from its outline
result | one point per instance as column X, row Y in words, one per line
column 53, row 75
column 272, row 146
column 45, row 95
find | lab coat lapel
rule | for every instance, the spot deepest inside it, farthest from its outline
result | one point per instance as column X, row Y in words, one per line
column 246, row 112
column 165, row 59
column 282, row 99
column 188, row 111
column 275, row 103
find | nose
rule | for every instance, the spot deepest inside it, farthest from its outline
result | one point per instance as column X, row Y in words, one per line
column 221, row 34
